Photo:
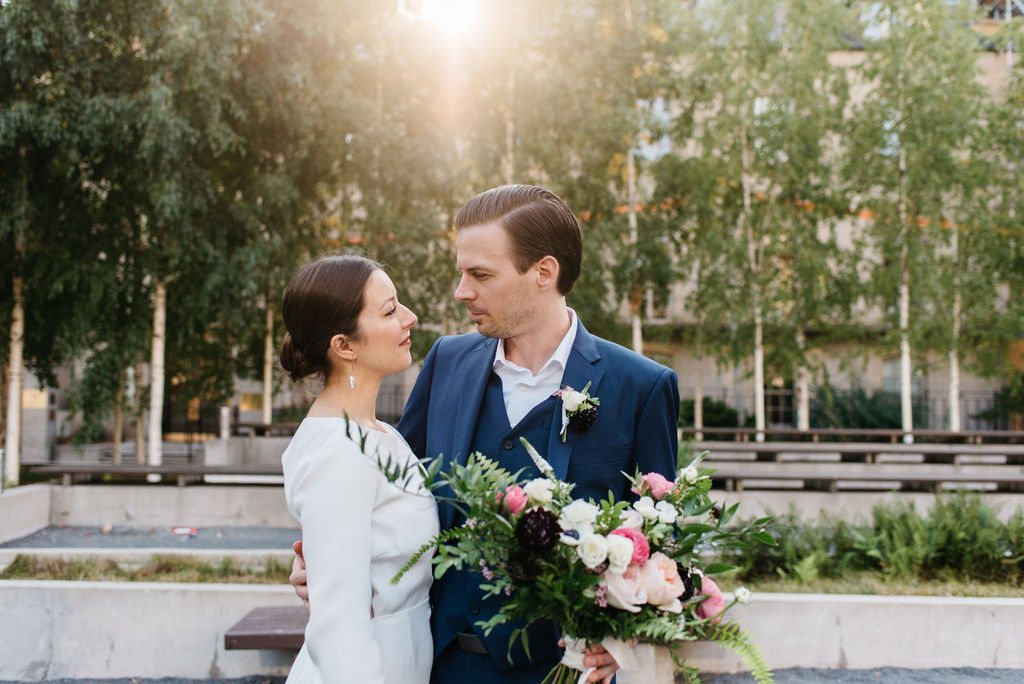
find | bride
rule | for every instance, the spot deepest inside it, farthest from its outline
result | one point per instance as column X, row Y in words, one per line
column 347, row 329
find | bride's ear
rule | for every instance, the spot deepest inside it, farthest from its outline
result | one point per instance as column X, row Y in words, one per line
column 341, row 347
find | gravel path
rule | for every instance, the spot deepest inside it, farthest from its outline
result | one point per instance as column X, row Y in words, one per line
column 57, row 537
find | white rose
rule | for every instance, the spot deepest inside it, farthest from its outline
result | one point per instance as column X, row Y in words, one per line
column 571, row 400
column 620, row 552
column 578, row 514
column 689, row 475
column 645, row 506
column 539, row 490
column 742, row 596
column 632, row 519
column 667, row 513
column 592, row 550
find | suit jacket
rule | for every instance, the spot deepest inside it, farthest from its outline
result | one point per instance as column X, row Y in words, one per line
column 635, row 426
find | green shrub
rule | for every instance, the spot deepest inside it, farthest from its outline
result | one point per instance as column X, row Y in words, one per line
column 716, row 413
column 961, row 539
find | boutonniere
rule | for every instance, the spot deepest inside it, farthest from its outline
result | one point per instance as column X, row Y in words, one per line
column 579, row 409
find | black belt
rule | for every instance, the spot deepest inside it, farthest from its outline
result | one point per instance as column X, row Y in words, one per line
column 470, row 643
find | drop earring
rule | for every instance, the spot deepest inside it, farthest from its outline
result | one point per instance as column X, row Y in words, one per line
column 352, row 377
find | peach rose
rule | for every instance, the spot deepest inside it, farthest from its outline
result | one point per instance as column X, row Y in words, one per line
column 657, row 484
column 663, row 584
column 514, row 497
column 641, row 548
column 625, row 590
column 714, row 604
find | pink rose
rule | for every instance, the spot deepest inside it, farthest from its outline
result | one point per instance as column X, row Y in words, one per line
column 663, row 583
column 641, row 549
column 714, row 604
column 515, row 498
column 625, row 590
column 657, row 484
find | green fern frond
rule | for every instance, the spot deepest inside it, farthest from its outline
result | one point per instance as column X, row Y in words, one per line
column 729, row 634
column 440, row 538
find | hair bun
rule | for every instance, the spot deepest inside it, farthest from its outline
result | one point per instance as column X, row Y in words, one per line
column 294, row 361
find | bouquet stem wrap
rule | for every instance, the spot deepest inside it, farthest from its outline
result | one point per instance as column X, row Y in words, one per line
column 572, row 660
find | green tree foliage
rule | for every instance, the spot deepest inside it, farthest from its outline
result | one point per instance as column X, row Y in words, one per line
column 752, row 195
column 213, row 147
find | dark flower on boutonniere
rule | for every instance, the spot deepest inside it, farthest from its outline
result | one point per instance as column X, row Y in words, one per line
column 579, row 409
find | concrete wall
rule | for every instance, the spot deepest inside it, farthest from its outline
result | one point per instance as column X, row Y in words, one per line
column 23, row 510
column 141, row 505
column 245, row 450
column 50, row 630
column 862, row 632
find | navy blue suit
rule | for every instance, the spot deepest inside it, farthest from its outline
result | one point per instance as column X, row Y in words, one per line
column 455, row 408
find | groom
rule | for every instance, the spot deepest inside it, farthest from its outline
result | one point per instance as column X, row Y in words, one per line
column 519, row 250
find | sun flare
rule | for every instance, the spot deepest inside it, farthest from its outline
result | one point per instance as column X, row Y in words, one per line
column 450, row 15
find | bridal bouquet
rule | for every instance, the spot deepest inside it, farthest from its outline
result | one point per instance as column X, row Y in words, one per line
column 608, row 572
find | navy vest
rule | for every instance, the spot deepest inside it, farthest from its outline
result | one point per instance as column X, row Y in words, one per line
column 459, row 600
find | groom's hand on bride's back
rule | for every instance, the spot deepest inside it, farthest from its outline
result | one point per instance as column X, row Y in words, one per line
column 298, row 576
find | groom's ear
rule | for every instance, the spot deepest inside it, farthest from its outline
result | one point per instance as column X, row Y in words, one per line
column 341, row 347
column 547, row 272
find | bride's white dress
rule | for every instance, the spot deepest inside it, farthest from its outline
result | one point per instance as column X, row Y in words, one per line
column 358, row 530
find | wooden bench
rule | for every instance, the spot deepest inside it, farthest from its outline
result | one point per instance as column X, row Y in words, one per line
column 183, row 473
column 832, row 477
column 830, row 435
column 863, row 452
column 269, row 627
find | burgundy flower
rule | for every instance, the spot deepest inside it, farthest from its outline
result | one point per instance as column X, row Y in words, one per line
column 538, row 531
column 688, row 587
column 583, row 419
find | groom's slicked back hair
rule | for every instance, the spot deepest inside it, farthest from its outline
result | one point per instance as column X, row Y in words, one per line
column 539, row 223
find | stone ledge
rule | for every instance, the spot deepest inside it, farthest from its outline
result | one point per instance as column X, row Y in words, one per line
column 51, row 630
column 24, row 510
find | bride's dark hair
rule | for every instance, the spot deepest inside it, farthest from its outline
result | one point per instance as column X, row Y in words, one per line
column 322, row 300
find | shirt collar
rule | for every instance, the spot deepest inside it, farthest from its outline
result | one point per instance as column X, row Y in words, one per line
column 559, row 357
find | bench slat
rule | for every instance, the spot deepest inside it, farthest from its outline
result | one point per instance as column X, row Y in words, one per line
column 281, row 627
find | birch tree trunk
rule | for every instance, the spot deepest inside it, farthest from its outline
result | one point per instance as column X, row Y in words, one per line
column 752, row 257
column 759, row 417
column 118, row 419
column 15, row 380
column 954, row 348
column 140, row 414
column 803, row 388
column 635, row 297
column 268, row 364
column 156, row 385
column 698, row 392
column 906, row 369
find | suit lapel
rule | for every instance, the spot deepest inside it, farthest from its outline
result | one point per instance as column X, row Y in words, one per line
column 475, row 374
column 471, row 377
column 581, row 368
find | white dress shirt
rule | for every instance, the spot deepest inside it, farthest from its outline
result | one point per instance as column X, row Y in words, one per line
column 521, row 389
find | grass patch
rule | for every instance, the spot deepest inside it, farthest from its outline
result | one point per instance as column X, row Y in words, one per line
column 159, row 568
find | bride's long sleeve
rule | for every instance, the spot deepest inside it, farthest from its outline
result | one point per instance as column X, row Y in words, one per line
column 332, row 495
